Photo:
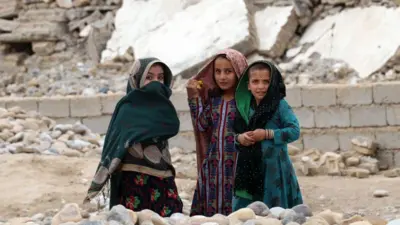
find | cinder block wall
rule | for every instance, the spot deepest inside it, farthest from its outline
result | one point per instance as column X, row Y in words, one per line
column 330, row 115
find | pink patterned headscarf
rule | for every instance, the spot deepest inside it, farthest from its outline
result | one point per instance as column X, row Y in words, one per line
column 206, row 74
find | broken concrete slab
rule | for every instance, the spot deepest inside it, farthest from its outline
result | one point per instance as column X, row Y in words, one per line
column 52, row 15
column 275, row 28
column 36, row 31
column 8, row 25
column 366, row 43
column 8, row 8
column 135, row 19
column 194, row 35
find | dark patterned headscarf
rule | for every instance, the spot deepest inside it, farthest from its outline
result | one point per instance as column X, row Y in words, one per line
column 249, row 174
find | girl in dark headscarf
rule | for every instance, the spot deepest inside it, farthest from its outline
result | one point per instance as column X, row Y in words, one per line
column 265, row 124
column 135, row 156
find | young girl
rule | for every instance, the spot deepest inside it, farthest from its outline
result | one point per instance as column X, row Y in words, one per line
column 213, row 112
column 135, row 154
column 264, row 125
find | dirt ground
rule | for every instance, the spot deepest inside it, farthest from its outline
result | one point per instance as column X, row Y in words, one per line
column 31, row 184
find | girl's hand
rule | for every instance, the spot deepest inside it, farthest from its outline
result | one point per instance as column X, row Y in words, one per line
column 245, row 139
column 193, row 87
column 258, row 135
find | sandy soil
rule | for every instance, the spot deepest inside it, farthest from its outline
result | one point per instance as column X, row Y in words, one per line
column 31, row 184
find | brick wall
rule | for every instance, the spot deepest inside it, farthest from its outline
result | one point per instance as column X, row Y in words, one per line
column 330, row 115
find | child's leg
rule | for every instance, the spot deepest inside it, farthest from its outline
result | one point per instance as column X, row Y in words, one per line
column 239, row 203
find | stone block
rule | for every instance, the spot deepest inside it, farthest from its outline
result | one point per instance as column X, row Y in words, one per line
column 346, row 136
column 85, row 106
column 186, row 121
column 319, row 95
column 396, row 158
column 389, row 139
column 293, row 97
column 27, row 104
column 43, row 48
column 108, row 103
column 54, row 107
column 332, row 117
column 354, row 94
column 305, row 117
column 180, row 101
column 393, row 115
column 324, row 142
column 388, row 92
column 98, row 124
column 364, row 116
column 386, row 157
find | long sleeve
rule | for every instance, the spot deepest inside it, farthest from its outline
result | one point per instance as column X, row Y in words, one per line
column 201, row 114
column 291, row 128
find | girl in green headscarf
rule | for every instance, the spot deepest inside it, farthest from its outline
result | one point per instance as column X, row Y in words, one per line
column 135, row 156
column 264, row 127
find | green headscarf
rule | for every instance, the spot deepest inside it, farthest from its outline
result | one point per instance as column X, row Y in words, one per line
column 249, row 174
column 144, row 113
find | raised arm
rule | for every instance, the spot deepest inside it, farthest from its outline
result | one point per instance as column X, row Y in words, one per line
column 200, row 113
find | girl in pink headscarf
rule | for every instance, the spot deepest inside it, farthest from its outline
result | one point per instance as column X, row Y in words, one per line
column 212, row 105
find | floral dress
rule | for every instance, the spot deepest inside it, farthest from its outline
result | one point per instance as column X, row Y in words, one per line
column 214, row 189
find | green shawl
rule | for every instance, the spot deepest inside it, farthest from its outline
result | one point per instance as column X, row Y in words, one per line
column 249, row 179
column 144, row 113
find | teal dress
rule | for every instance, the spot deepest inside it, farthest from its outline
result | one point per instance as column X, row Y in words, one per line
column 281, row 187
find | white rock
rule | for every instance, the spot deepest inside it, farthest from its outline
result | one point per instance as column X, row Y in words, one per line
column 275, row 27
column 380, row 193
column 141, row 17
column 334, row 37
column 194, row 35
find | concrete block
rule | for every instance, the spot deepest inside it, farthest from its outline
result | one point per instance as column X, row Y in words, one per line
column 332, row 117
column 108, row 103
column 55, row 107
column 185, row 141
column 67, row 120
column 27, row 103
column 354, row 95
column 396, row 158
column 98, row 124
column 393, row 114
column 319, row 95
column 345, row 138
column 386, row 157
column 387, row 92
column 186, row 121
column 180, row 101
column 305, row 117
column 364, row 116
column 85, row 106
column 389, row 139
column 324, row 142
column 293, row 97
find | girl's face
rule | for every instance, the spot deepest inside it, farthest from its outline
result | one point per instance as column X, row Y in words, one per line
column 259, row 81
column 156, row 73
column 224, row 74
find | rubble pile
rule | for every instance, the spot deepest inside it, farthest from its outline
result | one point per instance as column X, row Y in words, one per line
column 29, row 132
column 361, row 161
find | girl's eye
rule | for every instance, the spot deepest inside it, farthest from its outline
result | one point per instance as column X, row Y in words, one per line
column 149, row 78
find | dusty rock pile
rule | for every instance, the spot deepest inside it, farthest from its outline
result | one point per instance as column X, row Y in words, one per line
column 255, row 214
column 29, row 132
column 359, row 162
